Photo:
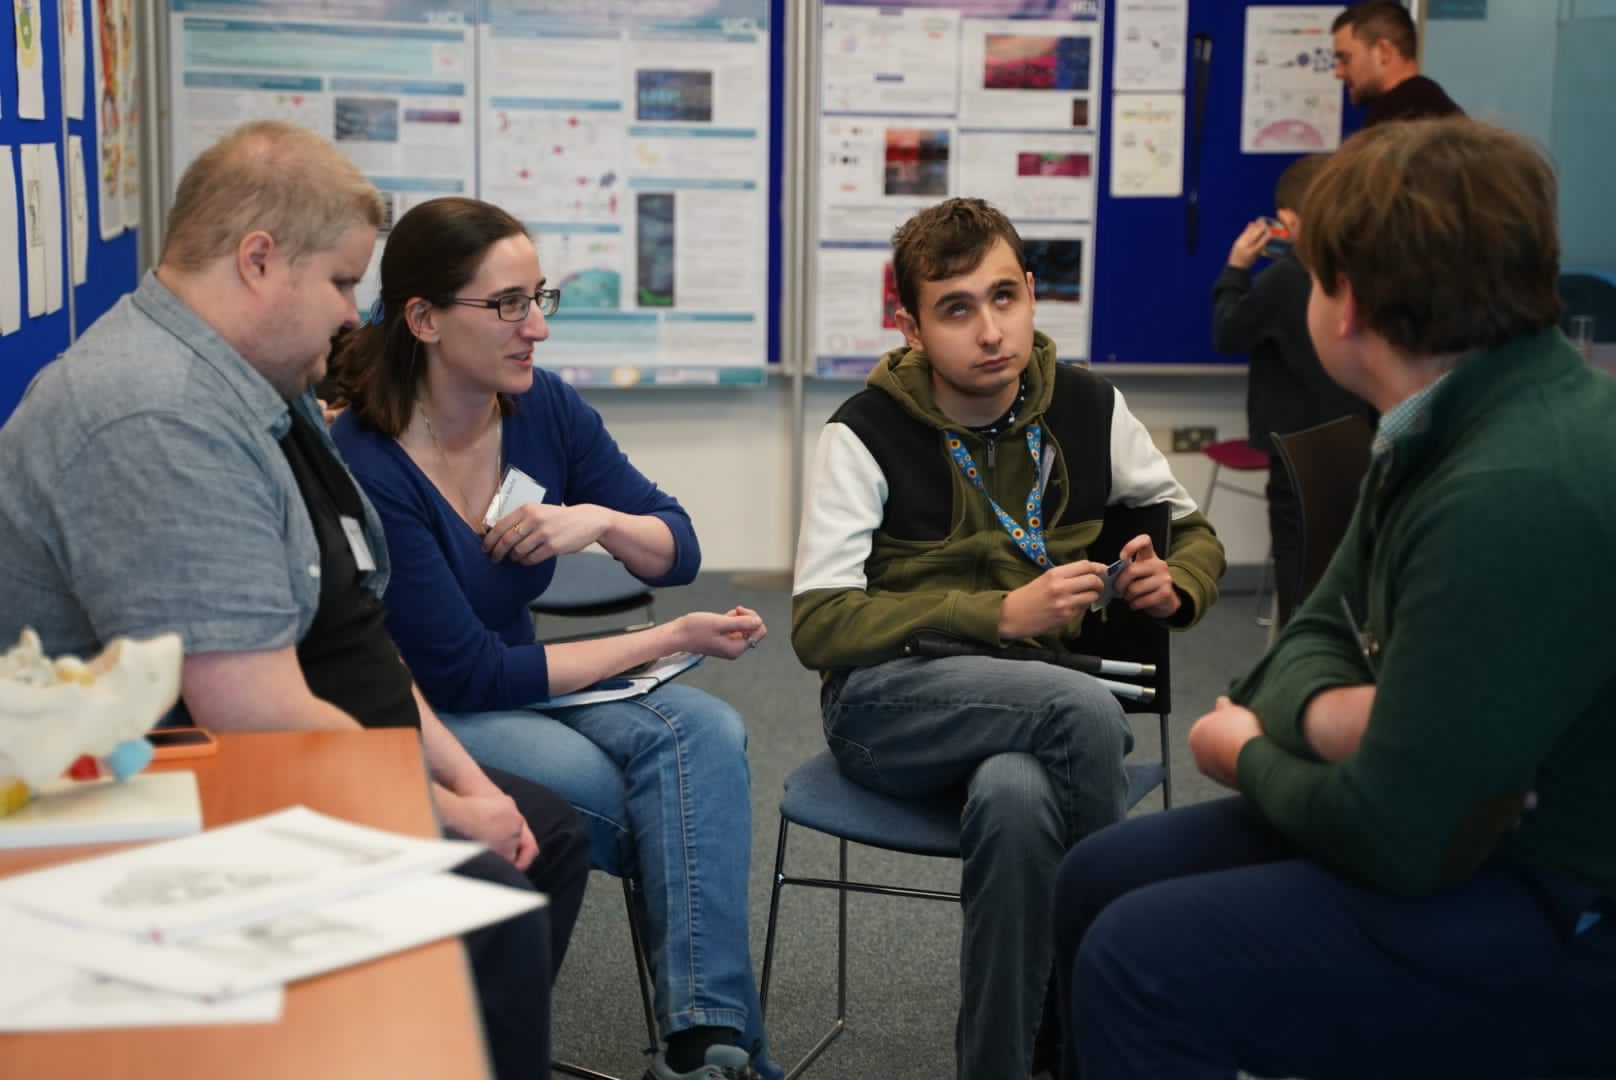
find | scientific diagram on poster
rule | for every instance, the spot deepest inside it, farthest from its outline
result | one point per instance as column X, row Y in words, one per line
column 997, row 99
column 1291, row 102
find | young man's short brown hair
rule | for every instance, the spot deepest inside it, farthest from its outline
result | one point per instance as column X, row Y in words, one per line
column 1381, row 20
column 1445, row 230
column 270, row 176
column 944, row 240
column 1293, row 182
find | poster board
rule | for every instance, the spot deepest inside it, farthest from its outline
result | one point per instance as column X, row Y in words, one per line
column 635, row 141
column 70, row 121
column 913, row 94
column 993, row 98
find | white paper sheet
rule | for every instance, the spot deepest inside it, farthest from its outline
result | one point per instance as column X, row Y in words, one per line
column 129, row 102
column 229, row 876
column 42, row 227
column 1147, row 145
column 44, row 995
column 890, row 59
column 78, row 210
column 105, row 84
column 298, row 944
column 30, row 34
column 11, row 252
column 1291, row 102
column 71, row 13
column 1150, row 42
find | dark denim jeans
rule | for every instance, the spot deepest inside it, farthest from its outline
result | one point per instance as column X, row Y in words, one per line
column 1036, row 753
column 1204, row 943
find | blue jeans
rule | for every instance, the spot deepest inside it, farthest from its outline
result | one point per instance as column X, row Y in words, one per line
column 1035, row 751
column 664, row 784
column 1200, row 941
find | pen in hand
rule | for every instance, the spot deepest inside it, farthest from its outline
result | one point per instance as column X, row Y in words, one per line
column 1365, row 640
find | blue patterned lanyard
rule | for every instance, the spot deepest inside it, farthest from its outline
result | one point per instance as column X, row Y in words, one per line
column 1030, row 539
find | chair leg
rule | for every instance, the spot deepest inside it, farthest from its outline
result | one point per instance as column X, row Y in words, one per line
column 774, row 912
column 780, row 881
column 1267, row 594
column 632, row 902
column 1167, row 762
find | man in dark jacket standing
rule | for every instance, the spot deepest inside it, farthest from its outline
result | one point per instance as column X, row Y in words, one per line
column 1377, row 57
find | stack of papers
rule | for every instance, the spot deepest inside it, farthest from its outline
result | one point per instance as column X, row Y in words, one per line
column 210, row 927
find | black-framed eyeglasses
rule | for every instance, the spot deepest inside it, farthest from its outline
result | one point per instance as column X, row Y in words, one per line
column 514, row 307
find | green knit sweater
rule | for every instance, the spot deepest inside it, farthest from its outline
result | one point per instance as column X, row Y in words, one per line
column 1479, row 561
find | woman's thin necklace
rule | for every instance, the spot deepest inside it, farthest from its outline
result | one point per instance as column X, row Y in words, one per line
column 466, row 508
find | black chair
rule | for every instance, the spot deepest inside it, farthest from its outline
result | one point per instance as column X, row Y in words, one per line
column 817, row 795
column 1326, row 465
column 633, row 902
column 592, row 584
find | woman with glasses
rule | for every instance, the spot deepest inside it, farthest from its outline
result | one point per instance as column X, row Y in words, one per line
column 442, row 399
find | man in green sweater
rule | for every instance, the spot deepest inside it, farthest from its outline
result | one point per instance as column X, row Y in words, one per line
column 1417, row 877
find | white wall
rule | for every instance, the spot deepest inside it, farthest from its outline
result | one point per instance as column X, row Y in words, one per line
column 726, row 455
column 1500, row 68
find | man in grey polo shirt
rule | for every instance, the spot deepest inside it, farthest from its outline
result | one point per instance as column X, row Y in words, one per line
column 171, row 472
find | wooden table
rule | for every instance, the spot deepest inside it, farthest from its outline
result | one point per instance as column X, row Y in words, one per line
column 411, row 1014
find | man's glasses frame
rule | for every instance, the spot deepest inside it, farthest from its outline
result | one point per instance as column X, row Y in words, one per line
column 514, row 307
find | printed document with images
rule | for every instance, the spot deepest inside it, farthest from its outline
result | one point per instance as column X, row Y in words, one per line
column 263, row 954
column 228, row 877
column 635, row 682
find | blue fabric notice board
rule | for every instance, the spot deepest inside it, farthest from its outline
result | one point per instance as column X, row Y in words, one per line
column 111, row 269
column 1152, row 295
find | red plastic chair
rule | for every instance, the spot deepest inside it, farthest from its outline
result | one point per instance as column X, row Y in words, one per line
column 1240, row 456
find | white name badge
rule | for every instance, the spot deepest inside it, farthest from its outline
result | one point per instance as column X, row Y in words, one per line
column 356, row 544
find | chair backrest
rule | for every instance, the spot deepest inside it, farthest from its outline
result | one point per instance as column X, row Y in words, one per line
column 1116, row 633
column 591, row 585
column 1326, row 465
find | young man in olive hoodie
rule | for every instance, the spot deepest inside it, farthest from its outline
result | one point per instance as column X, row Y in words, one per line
column 958, row 493
column 1418, row 878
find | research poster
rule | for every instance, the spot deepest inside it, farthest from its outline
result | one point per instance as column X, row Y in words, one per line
column 633, row 140
column 997, row 99
column 1291, row 102
column 390, row 82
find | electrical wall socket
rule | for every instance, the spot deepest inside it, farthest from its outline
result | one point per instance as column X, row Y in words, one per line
column 1191, row 440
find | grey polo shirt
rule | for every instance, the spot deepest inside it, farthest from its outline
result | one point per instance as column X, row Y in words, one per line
column 143, row 489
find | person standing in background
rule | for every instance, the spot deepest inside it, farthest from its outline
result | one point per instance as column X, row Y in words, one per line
column 1377, row 57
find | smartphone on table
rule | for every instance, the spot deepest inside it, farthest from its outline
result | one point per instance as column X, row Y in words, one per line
column 174, row 743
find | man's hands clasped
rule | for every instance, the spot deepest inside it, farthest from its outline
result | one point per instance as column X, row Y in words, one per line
column 1064, row 593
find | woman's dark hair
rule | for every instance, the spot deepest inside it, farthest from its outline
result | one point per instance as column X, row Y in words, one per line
column 431, row 253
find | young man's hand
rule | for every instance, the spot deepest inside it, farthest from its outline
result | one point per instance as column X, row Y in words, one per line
column 1146, row 583
column 1248, row 245
column 1051, row 600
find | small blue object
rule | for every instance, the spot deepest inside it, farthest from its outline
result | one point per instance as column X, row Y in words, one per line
column 1587, row 920
column 129, row 757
